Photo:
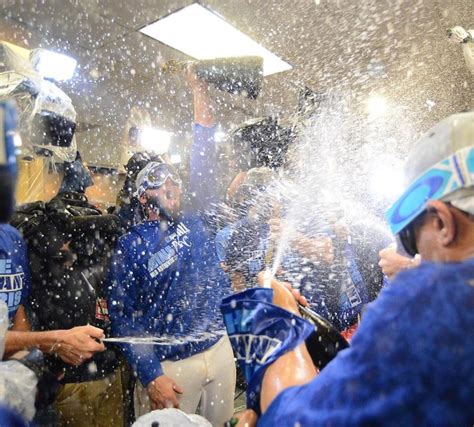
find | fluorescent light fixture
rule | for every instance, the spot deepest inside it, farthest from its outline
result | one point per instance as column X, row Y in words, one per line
column 156, row 140
column 202, row 34
column 377, row 106
column 175, row 158
column 54, row 65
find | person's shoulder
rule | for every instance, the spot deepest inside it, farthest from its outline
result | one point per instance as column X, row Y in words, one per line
column 195, row 221
column 432, row 273
column 246, row 225
column 453, row 280
column 11, row 232
column 427, row 291
column 137, row 234
column 11, row 242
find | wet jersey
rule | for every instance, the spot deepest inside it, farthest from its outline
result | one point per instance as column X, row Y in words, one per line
column 166, row 279
column 14, row 272
column 410, row 362
column 246, row 248
column 340, row 291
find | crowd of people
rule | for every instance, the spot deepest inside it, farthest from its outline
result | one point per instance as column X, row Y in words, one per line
column 188, row 295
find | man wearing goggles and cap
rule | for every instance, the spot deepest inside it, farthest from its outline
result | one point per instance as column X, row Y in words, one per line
column 159, row 191
column 166, row 283
column 410, row 362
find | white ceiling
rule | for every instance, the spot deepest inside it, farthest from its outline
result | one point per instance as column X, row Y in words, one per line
column 398, row 48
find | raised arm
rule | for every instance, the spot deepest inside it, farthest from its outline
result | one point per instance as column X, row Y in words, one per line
column 203, row 107
column 203, row 180
column 293, row 368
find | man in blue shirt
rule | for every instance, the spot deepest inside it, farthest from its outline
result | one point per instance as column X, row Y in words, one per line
column 14, row 278
column 166, row 284
column 410, row 362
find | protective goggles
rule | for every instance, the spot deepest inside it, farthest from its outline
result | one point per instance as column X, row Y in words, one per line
column 445, row 177
column 157, row 176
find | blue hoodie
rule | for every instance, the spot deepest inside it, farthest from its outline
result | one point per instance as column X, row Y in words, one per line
column 410, row 362
column 166, row 280
column 14, row 272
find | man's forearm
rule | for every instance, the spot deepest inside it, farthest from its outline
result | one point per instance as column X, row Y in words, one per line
column 17, row 341
column 291, row 369
column 203, row 108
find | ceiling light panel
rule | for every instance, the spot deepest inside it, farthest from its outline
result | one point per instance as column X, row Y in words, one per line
column 202, row 34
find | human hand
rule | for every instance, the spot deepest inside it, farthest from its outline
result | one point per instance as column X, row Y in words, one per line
column 195, row 83
column 237, row 280
column 162, row 392
column 284, row 295
column 340, row 229
column 392, row 262
column 203, row 108
column 78, row 344
column 246, row 418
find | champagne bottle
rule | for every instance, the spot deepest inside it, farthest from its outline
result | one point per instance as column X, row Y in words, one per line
column 236, row 75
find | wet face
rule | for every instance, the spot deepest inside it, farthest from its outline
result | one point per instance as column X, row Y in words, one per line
column 167, row 197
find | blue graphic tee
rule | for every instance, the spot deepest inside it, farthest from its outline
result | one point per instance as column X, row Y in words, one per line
column 14, row 273
column 165, row 279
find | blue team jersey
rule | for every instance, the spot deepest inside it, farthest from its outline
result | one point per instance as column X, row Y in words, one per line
column 167, row 282
column 14, row 272
column 222, row 241
column 409, row 364
column 165, row 279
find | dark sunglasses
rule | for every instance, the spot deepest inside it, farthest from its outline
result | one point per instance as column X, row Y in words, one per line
column 408, row 240
column 407, row 234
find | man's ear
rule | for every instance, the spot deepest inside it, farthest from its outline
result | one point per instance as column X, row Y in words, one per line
column 445, row 221
column 143, row 199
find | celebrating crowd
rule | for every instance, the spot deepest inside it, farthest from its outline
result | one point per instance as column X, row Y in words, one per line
column 178, row 277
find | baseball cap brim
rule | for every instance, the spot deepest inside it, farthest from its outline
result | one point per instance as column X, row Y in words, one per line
column 440, row 163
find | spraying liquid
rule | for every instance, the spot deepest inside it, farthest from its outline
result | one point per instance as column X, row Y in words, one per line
column 165, row 340
column 330, row 171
